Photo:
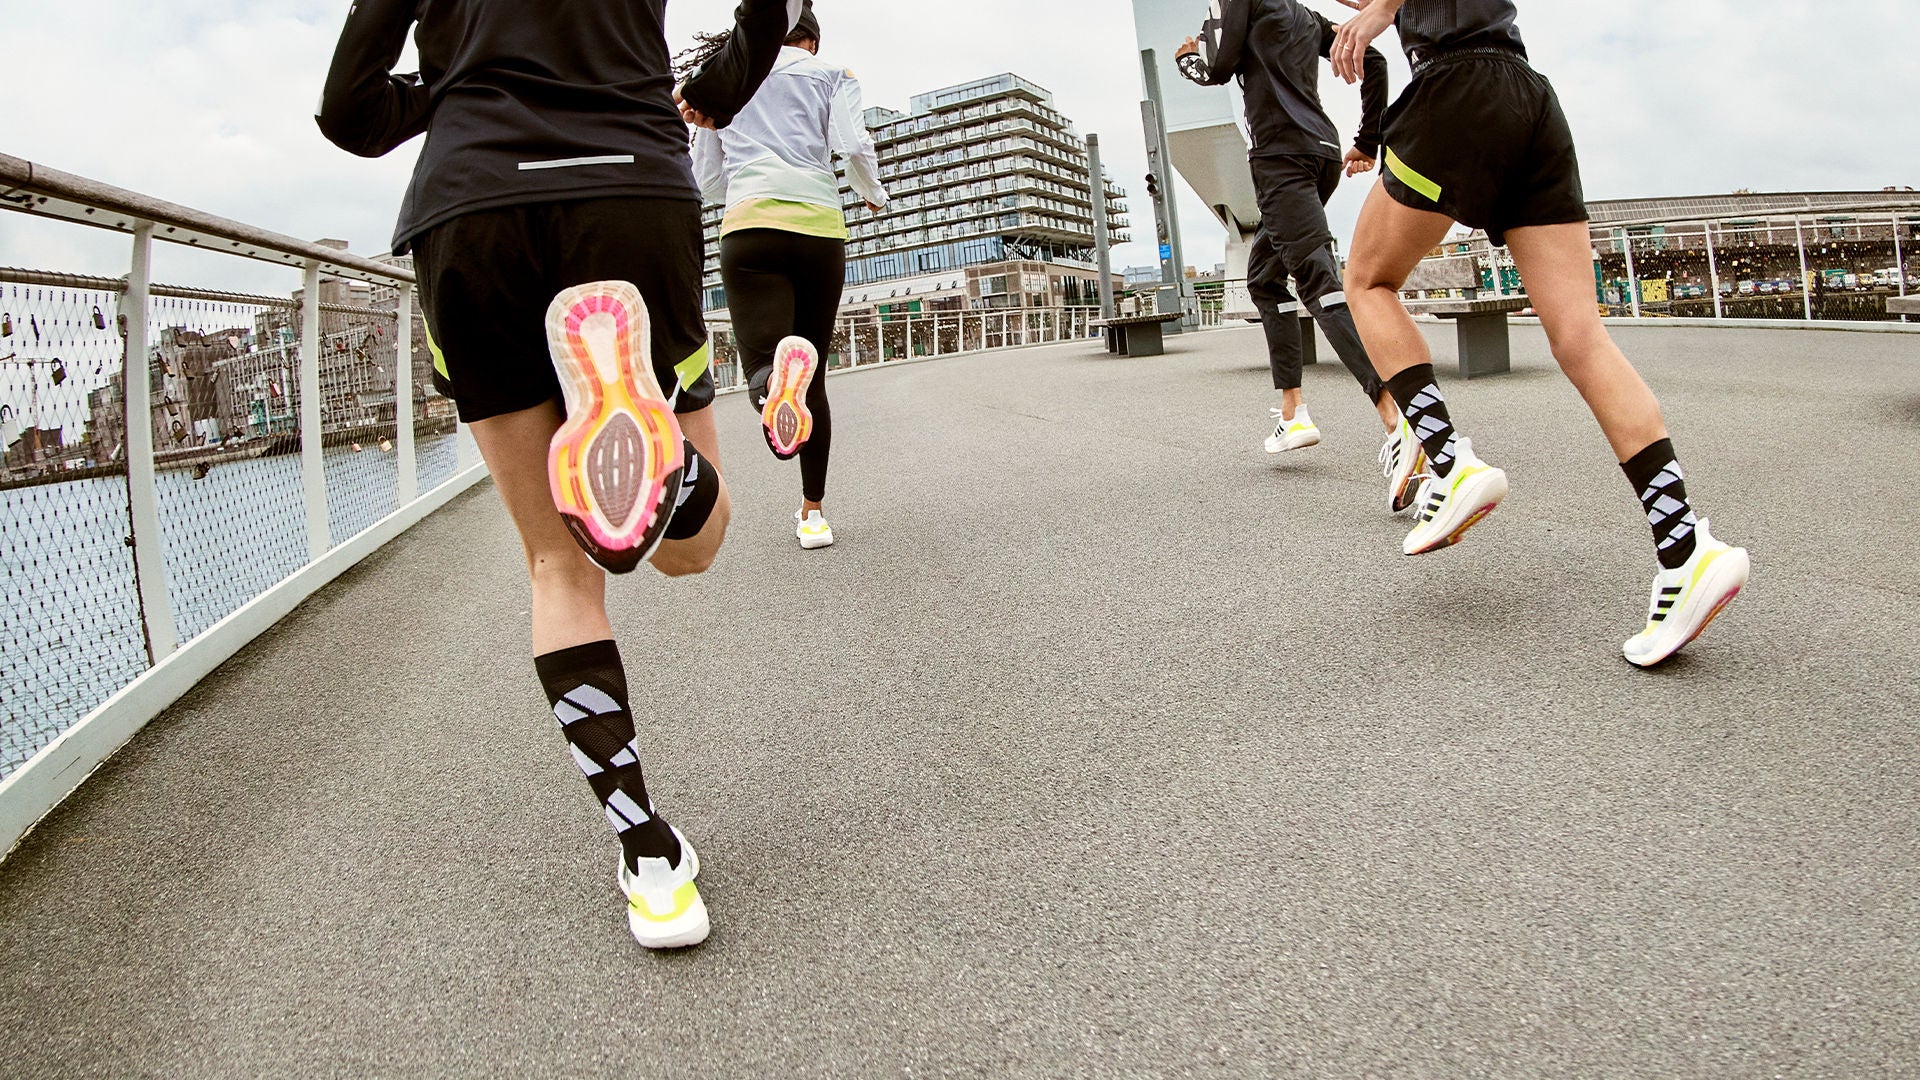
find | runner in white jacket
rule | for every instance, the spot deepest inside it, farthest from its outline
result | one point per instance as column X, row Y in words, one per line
column 783, row 245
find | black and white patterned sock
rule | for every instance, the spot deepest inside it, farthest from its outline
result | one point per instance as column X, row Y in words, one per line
column 587, row 687
column 1655, row 473
column 1420, row 401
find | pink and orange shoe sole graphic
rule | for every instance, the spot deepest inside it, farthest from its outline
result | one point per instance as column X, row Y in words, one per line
column 785, row 417
column 615, row 464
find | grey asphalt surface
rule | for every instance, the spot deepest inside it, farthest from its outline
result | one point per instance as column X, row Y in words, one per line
column 1102, row 744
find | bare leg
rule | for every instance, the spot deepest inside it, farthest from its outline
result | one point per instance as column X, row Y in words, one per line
column 569, row 591
column 678, row 558
column 1389, row 241
column 1290, row 400
column 1389, row 412
column 1556, row 262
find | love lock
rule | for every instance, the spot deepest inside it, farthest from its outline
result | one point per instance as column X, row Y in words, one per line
column 59, row 371
column 6, row 324
column 99, row 318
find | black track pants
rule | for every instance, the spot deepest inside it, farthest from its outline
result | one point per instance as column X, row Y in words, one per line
column 1294, row 241
column 780, row 283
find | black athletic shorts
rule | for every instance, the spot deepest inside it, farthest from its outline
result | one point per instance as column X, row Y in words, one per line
column 486, row 278
column 1480, row 137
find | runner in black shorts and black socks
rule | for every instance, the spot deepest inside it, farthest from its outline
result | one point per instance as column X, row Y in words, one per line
column 555, row 230
column 1479, row 138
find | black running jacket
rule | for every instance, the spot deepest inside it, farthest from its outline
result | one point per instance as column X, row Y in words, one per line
column 1275, row 47
column 526, row 102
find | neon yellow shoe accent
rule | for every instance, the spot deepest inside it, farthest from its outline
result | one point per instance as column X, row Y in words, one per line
column 690, row 369
column 683, row 898
column 1694, row 581
column 1412, row 179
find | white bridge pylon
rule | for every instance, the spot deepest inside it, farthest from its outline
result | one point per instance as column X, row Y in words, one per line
column 1205, row 136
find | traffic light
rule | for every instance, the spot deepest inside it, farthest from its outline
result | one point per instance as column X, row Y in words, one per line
column 1153, row 185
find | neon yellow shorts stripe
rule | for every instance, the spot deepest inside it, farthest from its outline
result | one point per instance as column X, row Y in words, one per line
column 439, row 358
column 690, row 369
column 1405, row 174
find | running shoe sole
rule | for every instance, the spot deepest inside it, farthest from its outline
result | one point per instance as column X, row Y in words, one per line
column 1719, row 579
column 1471, row 502
column 615, row 464
column 785, row 418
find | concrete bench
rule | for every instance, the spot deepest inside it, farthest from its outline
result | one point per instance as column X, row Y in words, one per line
column 1903, row 305
column 1137, row 335
column 1481, row 330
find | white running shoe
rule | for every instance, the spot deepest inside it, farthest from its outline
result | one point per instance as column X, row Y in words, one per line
column 813, row 530
column 1448, row 506
column 1401, row 458
column 1686, row 598
column 664, row 909
column 1293, row 434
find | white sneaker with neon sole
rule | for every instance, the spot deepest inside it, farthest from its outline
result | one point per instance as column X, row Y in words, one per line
column 1450, row 505
column 1295, row 434
column 1686, row 598
column 664, row 909
column 812, row 530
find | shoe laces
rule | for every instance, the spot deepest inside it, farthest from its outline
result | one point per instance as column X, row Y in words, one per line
column 1390, row 454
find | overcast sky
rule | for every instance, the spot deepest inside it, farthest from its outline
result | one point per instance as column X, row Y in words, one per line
column 209, row 102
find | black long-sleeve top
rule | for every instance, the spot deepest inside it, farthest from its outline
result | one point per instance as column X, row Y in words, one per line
column 1275, row 47
column 526, row 103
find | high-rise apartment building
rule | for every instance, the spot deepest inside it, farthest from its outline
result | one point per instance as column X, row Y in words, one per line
column 989, row 206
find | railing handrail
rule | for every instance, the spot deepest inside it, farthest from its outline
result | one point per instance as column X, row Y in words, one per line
column 31, row 188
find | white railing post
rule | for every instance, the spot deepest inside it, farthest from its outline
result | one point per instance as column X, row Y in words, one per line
column 313, row 469
column 143, row 497
column 403, row 399
column 1899, row 258
column 1713, row 271
column 1806, row 290
column 1633, row 278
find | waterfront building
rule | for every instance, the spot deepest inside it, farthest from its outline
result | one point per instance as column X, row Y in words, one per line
column 989, row 207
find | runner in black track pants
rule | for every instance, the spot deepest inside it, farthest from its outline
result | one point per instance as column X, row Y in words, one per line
column 555, row 230
column 1274, row 48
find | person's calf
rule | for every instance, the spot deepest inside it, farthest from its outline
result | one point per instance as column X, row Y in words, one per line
column 700, row 520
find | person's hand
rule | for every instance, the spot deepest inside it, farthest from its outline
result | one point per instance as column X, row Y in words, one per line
column 1357, row 5
column 692, row 115
column 874, row 206
column 1187, row 48
column 1349, row 50
column 1358, row 163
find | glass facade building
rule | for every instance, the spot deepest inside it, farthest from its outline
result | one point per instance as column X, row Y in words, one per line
column 982, row 173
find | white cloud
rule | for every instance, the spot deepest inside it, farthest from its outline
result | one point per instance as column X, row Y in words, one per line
column 209, row 102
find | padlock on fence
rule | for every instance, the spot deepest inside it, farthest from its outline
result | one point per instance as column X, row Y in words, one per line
column 99, row 318
column 6, row 324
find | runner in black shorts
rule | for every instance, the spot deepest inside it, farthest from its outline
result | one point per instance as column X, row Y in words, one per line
column 555, row 229
column 1479, row 138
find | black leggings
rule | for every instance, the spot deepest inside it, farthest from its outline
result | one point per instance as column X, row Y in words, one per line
column 780, row 283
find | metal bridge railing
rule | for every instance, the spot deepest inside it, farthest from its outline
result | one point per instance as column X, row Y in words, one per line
column 180, row 466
